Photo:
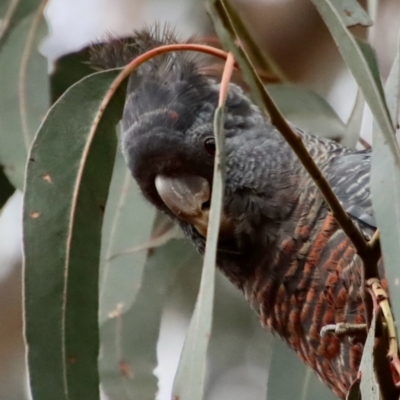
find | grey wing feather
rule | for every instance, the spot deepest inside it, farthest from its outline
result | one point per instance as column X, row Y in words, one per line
column 349, row 176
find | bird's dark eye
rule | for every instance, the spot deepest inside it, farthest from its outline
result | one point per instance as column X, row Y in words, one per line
column 209, row 146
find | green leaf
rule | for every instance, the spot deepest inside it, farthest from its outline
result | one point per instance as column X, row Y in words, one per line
column 360, row 59
column 368, row 386
column 12, row 12
column 372, row 7
column 307, row 110
column 288, row 375
column 351, row 13
column 128, row 221
column 385, row 190
column 69, row 69
column 189, row 379
column 238, row 343
column 68, row 177
column 24, row 98
column 129, row 336
column 353, row 126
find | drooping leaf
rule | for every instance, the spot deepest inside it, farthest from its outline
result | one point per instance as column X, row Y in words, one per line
column 359, row 58
column 128, row 221
column 69, row 69
column 372, row 7
column 130, row 334
column 351, row 13
column 288, row 375
column 189, row 379
column 239, row 350
column 307, row 110
column 353, row 126
column 68, row 177
column 385, row 189
column 368, row 387
column 24, row 97
column 12, row 12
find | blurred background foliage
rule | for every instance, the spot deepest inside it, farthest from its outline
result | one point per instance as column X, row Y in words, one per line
column 149, row 274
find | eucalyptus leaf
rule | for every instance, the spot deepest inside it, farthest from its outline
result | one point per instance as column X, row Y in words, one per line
column 385, row 189
column 353, row 126
column 368, row 386
column 189, row 379
column 129, row 336
column 307, row 110
column 24, row 97
column 68, row 177
column 359, row 58
column 12, row 12
column 352, row 13
column 239, row 349
column 288, row 375
column 128, row 221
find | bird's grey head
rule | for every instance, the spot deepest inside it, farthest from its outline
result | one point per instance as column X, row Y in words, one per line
column 168, row 142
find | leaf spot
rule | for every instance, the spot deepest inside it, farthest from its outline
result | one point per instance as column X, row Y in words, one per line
column 47, row 178
column 348, row 13
column 72, row 359
column 126, row 370
column 34, row 215
column 102, row 208
column 117, row 312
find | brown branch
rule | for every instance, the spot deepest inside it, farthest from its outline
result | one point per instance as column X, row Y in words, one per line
column 266, row 104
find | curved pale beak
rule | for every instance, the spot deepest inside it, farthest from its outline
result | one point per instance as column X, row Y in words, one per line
column 188, row 197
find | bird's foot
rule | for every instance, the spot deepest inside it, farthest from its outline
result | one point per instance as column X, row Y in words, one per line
column 343, row 329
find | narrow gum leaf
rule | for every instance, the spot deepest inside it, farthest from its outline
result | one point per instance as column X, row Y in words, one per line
column 24, row 97
column 12, row 12
column 352, row 13
column 129, row 337
column 385, row 189
column 307, row 110
column 68, row 177
column 368, row 387
column 189, row 379
column 287, row 374
column 359, row 58
column 128, row 221
column 353, row 126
